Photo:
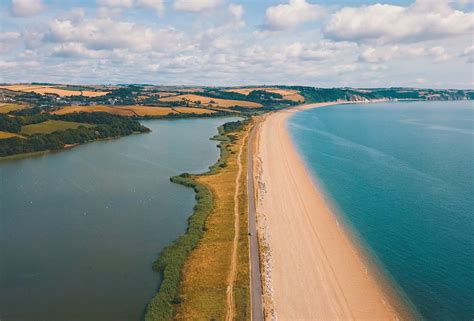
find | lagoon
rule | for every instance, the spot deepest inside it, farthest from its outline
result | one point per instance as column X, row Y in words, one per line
column 80, row 229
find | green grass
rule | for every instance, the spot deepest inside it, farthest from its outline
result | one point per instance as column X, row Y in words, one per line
column 50, row 126
column 173, row 258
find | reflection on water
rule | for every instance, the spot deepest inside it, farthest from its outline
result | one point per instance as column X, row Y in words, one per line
column 79, row 229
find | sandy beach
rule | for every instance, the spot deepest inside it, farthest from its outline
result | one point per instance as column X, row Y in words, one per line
column 312, row 268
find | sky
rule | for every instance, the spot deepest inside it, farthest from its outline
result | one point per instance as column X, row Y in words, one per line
column 351, row 43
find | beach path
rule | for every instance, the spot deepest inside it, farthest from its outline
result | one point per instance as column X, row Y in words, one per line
column 230, row 314
column 316, row 271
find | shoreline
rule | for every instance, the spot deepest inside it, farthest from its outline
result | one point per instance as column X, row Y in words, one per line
column 172, row 261
column 340, row 279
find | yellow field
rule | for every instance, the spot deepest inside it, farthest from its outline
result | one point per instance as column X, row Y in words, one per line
column 212, row 102
column 54, row 90
column 118, row 110
column 206, row 271
column 8, row 107
column 147, row 110
column 4, row 135
column 193, row 110
column 50, row 126
column 164, row 94
column 94, row 93
column 140, row 111
column 92, row 109
column 288, row 94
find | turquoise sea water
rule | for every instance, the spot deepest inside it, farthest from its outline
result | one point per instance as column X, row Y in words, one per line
column 402, row 176
column 80, row 229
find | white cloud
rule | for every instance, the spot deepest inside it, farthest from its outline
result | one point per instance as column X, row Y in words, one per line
column 27, row 8
column 382, row 54
column 8, row 64
column 321, row 51
column 108, row 34
column 423, row 20
column 342, row 69
column 196, row 5
column 116, row 3
column 113, row 46
column 236, row 10
column 287, row 16
column 74, row 49
column 439, row 54
column 8, row 40
column 9, row 36
column 469, row 54
column 157, row 5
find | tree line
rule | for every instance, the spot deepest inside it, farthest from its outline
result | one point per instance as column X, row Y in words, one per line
column 107, row 126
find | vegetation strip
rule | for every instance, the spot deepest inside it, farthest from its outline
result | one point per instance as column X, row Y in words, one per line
column 172, row 259
column 232, row 273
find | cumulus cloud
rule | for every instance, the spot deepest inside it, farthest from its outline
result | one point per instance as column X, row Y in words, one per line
column 196, row 5
column 27, row 8
column 423, row 20
column 287, row 16
column 108, row 34
column 223, row 36
column 9, row 36
column 439, row 54
column 382, row 54
column 157, row 5
column 8, row 40
column 116, row 3
column 112, row 46
column 74, row 50
column 321, row 51
column 236, row 10
column 469, row 54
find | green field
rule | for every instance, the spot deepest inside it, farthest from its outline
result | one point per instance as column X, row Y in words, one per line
column 7, row 107
column 50, row 126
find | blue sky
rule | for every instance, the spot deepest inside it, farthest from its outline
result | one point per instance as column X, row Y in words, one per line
column 423, row 43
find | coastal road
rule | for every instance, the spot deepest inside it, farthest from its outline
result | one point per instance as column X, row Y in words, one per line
column 255, row 277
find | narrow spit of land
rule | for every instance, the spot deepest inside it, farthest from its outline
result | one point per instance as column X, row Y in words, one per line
column 314, row 269
column 215, row 278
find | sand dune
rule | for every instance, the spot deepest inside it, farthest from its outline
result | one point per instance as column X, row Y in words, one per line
column 313, row 270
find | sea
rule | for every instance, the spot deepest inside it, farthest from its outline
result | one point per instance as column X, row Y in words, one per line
column 401, row 176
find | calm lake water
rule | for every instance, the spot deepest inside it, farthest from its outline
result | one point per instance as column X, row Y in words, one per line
column 402, row 176
column 80, row 229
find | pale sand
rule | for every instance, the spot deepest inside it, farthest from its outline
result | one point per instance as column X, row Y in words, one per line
column 312, row 268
